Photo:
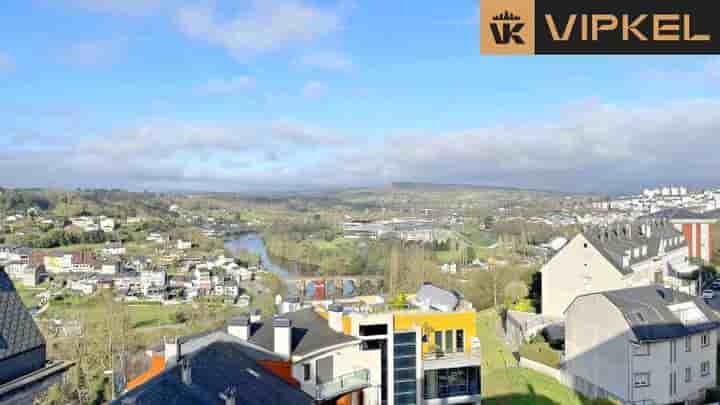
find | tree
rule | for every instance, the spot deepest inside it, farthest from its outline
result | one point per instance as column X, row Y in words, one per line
column 515, row 290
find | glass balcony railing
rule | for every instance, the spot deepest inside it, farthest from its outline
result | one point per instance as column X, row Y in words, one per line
column 345, row 383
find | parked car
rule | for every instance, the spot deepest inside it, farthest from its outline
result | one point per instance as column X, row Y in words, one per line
column 715, row 285
column 708, row 294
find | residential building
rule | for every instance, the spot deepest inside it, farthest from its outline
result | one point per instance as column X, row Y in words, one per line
column 58, row 262
column 642, row 345
column 25, row 371
column 152, row 279
column 427, row 351
column 184, row 244
column 615, row 257
column 108, row 266
column 219, row 370
column 28, row 275
column 321, row 365
column 114, row 249
column 84, row 287
column 107, row 225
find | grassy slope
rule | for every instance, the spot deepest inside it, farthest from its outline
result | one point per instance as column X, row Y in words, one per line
column 505, row 384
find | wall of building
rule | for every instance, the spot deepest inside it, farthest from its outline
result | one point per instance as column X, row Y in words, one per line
column 430, row 322
column 597, row 348
column 658, row 364
column 577, row 269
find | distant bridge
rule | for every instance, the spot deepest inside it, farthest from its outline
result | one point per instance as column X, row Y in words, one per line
column 323, row 287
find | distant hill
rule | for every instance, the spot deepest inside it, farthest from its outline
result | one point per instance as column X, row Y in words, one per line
column 450, row 187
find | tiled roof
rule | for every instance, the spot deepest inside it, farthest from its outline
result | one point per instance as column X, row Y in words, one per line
column 613, row 242
column 18, row 331
column 214, row 369
column 310, row 332
column 655, row 320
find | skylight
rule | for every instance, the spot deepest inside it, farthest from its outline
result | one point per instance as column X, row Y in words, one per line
column 688, row 313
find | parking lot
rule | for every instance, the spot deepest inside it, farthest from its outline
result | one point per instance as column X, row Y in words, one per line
column 714, row 302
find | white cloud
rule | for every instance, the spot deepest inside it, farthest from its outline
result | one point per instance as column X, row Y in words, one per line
column 327, row 60
column 93, row 53
column 228, row 86
column 268, row 26
column 6, row 63
column 314, row 90
column 589, row 146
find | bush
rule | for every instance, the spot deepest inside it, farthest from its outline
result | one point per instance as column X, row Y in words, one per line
column 540, row 352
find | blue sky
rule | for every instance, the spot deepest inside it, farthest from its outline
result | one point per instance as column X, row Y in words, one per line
column 292, row 94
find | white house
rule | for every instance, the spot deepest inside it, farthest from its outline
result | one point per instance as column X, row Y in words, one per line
column 643, row 345
column 184, row 244
column 616, row 257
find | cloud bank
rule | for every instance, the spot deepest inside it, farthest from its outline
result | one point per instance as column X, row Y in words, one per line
column 589, row 147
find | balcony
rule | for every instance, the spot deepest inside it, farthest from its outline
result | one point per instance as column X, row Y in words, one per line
column 354, row 381
column 441, row 360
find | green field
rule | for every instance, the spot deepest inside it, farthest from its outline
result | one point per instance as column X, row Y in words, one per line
column 506, row 384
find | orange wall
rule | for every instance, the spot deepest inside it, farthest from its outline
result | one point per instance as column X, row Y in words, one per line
column 281, row 369
column 157, row 365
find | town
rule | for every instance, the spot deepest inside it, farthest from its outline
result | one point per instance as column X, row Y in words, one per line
column 383, row 304
column 343, row 202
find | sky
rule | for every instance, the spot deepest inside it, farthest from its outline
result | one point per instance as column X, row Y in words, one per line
column 253, row 95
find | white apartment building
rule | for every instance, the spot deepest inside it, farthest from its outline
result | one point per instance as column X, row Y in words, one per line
column 615, row 257
column 644, row 345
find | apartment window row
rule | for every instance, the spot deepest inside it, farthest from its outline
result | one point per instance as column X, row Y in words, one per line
column 452, row 382
column 450, row 341
column 643, row 379
column 643, row 349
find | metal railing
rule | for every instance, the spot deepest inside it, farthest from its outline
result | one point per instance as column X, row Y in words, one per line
column 345, row 383
column 440, row 354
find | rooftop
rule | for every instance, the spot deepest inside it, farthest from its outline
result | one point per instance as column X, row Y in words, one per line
column 658, row 313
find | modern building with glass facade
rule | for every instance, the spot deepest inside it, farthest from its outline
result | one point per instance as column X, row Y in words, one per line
column 428, row 353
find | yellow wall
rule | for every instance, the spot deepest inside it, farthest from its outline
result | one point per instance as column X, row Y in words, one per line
column 347, row 325
column 440, row 321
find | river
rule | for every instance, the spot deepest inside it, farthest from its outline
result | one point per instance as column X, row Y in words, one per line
column 254, row 243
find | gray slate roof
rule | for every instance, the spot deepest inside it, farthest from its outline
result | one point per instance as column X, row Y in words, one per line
column 18, row 331
column 613, row 242
column 685, row 214
column 215, row 368
column 656, row 321
column 437, row 298
column 310, row 332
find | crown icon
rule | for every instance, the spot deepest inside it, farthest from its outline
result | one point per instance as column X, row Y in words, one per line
column 506, row 16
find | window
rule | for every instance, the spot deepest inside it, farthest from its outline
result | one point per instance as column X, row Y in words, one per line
column 705, row 340
column 371, row 330
column 641, row 379
column 641, row 349
column 438, row 341
column 306, row 372
column 459, row 340
column 688, row 343
column 673, row 383
column 451, row 382
column 673, row 351
column 688, row 375
column 705, row 368
column 448, row 341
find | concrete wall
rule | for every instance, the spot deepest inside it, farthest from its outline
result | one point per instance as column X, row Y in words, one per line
column 659, row 366
column 574, row 271
column 597, row 347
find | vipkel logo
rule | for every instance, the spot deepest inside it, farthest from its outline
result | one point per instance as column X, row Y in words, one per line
column 506, row 28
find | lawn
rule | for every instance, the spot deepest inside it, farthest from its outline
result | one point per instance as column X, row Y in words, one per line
column 541, row 352
column 505, row 384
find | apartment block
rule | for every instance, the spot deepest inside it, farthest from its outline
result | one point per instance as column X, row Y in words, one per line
column 643, row 345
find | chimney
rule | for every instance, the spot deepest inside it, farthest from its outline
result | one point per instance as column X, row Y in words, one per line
column 282, row 328
column 186, row 371
column 256, row 316
column 229, row 395
column 335, row 317
column 172, row 349
column 240, row 327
